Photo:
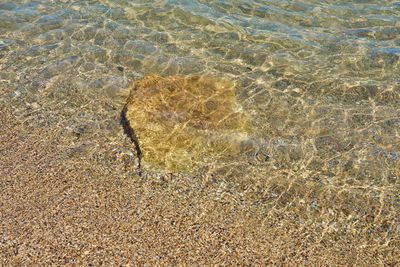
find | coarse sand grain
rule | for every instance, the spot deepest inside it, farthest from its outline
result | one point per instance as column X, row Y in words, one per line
column 59, row 205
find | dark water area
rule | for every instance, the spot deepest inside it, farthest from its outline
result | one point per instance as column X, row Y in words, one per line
column 320, row 80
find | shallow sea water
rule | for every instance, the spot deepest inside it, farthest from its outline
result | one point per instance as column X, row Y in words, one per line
column 321, row 80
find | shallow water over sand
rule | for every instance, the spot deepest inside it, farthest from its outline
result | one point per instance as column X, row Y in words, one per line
column 320, row 79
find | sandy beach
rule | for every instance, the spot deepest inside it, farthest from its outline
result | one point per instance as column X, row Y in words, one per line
column 315, row 102
column 69, row 198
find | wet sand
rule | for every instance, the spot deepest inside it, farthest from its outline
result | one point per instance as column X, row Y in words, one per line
column 75, row 197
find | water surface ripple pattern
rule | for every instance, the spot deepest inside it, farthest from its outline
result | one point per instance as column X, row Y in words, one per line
column 320, row 80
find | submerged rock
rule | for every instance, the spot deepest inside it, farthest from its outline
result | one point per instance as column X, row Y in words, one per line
column 179, row 122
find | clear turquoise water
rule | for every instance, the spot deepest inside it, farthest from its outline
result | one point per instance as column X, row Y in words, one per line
column 321, row 80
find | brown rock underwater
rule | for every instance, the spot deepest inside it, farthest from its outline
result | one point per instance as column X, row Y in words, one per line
column 178, row 122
